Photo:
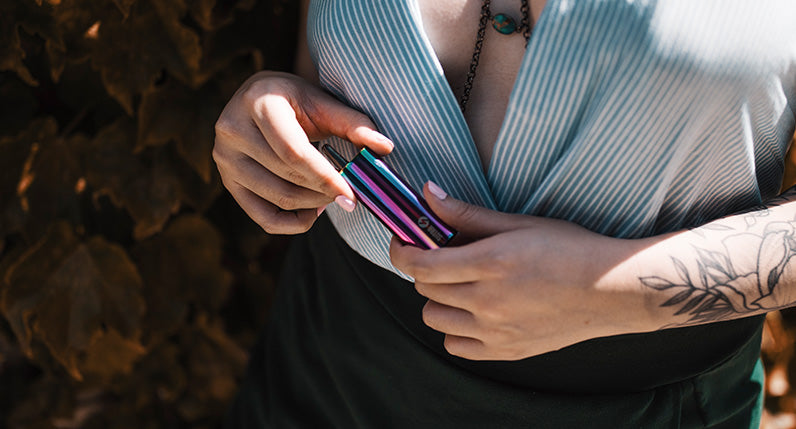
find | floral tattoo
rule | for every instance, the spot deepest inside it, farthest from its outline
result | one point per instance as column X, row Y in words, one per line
column 725, row 284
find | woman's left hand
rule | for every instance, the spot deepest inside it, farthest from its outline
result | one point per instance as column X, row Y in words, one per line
column 520, row 285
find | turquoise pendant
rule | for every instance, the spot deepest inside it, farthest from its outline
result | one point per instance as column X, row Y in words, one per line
column 504, row 24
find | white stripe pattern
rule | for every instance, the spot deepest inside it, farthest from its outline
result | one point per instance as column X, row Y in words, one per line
column 630, row 118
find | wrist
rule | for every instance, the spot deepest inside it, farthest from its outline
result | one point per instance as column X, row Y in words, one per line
column 621, row 263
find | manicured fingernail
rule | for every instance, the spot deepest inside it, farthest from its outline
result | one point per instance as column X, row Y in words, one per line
column 436, row 190
column 345, row 203
column 321, row 209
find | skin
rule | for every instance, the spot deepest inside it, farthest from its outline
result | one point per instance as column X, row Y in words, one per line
column 513, row 286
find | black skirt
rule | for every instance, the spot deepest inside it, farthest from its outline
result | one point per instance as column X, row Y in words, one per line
column 346, row 348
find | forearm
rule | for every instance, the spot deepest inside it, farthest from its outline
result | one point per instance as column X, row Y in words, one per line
column 734, row 267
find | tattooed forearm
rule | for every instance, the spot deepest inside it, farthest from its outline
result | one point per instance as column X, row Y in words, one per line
column 741, row 270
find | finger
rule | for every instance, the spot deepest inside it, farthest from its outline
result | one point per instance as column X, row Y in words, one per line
column 449, row 320
column 458, row 295
column 239, row 140
column 270, row 218
column 470, row 220
column 276, row 119
column 330, row 117
column 459, row 264
column 465, row 347
column 247, row 141
column 270, row 187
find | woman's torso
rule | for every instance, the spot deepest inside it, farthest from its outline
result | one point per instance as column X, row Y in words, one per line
column 629, row 118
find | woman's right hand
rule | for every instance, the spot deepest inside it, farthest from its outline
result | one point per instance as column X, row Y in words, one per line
column 265, row 158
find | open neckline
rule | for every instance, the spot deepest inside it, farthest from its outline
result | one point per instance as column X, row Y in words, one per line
column 452, row 101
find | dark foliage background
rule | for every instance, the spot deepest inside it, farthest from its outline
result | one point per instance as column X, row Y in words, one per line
column 131, row 285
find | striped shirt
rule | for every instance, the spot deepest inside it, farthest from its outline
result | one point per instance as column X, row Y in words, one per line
column 630, row 118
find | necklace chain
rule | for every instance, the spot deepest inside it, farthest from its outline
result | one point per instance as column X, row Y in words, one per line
column 486, row 15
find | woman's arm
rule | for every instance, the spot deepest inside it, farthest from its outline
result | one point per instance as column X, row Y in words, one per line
column 527, row 285
column 733, row 267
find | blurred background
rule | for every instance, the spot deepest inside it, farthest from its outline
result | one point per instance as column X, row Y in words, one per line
column 131, row 285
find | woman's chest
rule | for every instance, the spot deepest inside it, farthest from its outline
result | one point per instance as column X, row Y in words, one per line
column 487, row 62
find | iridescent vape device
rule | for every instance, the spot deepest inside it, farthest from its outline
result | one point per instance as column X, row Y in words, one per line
column 402, row 210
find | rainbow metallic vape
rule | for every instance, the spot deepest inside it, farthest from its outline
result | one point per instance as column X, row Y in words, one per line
column 402, row 210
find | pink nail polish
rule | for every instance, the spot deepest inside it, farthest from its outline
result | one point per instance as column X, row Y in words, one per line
column 391, row 200
column 345, row 203
column 321, row 209
column 436, row 190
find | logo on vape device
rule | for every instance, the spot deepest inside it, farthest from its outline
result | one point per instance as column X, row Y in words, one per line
column 423, row 222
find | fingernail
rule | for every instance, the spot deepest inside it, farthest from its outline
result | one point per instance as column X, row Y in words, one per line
column 379, row 137
column 436, row 190
column 345, row 203
column 321, row 209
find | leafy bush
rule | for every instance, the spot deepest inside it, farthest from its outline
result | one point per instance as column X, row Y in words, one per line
column 131, row 285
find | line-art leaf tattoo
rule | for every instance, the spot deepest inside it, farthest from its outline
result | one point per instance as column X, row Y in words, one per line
column 720, row 288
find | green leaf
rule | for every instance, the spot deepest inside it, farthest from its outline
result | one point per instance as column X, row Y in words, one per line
column 64, row 289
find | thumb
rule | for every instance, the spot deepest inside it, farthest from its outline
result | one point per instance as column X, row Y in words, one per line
column 473, row 222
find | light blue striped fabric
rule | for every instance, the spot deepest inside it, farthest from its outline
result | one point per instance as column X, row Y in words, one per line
column 630, row 118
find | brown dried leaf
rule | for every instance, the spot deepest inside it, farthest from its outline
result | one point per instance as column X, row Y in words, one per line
column 63, row 290
column 42, row 183
column 215, row 362
column 175, row 112
column 16, row 150
column 181, row 268
column 150, row 193
column 33, row 19
column 13, row 15
column 110, row 354
column 210, row 15
column 131, row 53
column 49, row 188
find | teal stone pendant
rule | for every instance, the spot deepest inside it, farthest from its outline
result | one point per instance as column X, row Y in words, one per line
column 504, row 24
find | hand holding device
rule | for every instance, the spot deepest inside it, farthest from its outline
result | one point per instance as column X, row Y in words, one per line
column 265, row 158
column 402, row 210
